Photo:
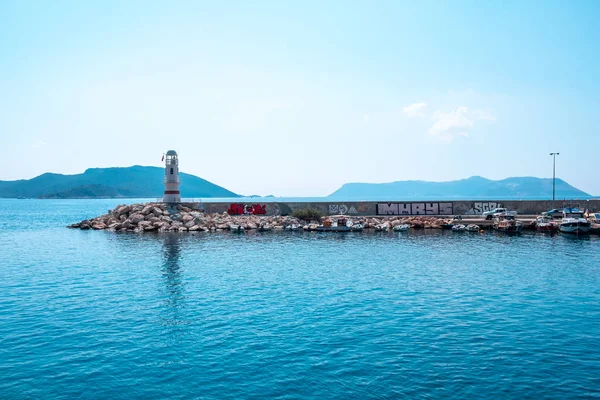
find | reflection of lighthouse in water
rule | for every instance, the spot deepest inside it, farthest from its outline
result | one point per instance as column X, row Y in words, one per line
column 172, row 194
column 171, row 272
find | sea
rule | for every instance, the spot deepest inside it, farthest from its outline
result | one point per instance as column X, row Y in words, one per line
column 291, row 315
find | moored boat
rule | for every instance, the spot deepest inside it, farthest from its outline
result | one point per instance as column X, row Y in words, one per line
column 293, row 227
column 459, row 228
column 574, row 222
column 506, row 222
column 544, row 223
column 357, row 228
column 401, row 228
column 594, row 220
column 236, row 228
column 473, row 228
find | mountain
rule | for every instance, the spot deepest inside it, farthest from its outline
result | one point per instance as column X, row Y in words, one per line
column 471, row 188
column 136, row 181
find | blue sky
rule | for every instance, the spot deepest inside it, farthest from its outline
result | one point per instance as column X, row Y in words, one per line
column 295, row 99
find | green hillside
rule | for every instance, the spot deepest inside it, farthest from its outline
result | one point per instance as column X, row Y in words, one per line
column 136, row 181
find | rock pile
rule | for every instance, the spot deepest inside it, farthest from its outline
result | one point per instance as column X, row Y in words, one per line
column 163, row 218
column 166, row 218
column 417, row 222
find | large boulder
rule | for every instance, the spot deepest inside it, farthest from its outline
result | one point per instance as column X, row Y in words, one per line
column 144, row 224
column 187, row 218
column 123, row 210
column 147, row 209
column 136, row 218
column 98, row 226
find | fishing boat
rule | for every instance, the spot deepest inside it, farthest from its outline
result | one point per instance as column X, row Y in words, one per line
column 459, row 228
column 293, row 227
column 447, row 226
column 473, row 228
column 506, row 222
column 573, row 221
column 401, row 228
column 545, row 223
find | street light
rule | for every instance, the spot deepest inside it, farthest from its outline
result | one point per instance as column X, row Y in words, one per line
column 554, row 174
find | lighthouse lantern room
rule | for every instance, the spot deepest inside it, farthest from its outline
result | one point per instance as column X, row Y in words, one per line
column 172, row 194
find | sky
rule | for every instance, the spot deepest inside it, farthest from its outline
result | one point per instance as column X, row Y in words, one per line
column 298, row 98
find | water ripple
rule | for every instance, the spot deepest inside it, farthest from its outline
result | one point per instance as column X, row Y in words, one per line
column 292, row 315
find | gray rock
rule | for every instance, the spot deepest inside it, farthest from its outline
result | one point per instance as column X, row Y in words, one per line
column 136, row 218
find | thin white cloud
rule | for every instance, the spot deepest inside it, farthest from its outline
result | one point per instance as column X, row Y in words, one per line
column 415, row 110
column 450, row 125
column 38, row 144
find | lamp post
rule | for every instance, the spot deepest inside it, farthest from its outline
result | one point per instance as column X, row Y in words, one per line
column 554, row 174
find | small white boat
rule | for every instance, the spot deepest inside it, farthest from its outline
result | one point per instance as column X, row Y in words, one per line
column 459, row 228
column 574, row 222
column 382, row 227
column 401, row 228
column 311, row 227
column 293, row 227
column 357, row 228
column 236, row 228
column 473, row 228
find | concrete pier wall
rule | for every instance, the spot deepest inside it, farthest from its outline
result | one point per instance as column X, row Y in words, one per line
column 374, row 208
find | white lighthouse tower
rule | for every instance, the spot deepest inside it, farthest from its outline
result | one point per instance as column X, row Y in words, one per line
column 172, row 194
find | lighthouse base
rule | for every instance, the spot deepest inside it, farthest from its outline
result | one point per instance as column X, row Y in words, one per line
column 172, row 196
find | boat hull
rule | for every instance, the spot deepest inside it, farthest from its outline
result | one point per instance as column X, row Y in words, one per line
column 509, row 229
column 546, row 228
column 575, row 227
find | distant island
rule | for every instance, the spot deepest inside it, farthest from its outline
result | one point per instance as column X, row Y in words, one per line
column 133, row 182
column 470, row 188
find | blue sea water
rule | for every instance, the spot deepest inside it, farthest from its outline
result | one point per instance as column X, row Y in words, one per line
column 96, row 315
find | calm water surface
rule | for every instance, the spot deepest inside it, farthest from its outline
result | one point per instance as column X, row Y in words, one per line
column 86, row 314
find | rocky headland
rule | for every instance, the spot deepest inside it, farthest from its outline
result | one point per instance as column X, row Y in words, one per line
column 152, row 217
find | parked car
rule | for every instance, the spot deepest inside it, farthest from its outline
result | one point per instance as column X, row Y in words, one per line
column 490, row 214
column 554, row 213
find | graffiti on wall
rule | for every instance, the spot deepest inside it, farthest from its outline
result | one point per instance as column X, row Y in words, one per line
column 414, row 209
column 247, row 209
column 342, row 209
column 480, row 207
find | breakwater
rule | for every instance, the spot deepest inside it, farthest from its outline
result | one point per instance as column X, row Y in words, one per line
column 276, row 215
column 189, row 217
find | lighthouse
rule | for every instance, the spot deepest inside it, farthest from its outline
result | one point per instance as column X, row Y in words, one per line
column 171, row 178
